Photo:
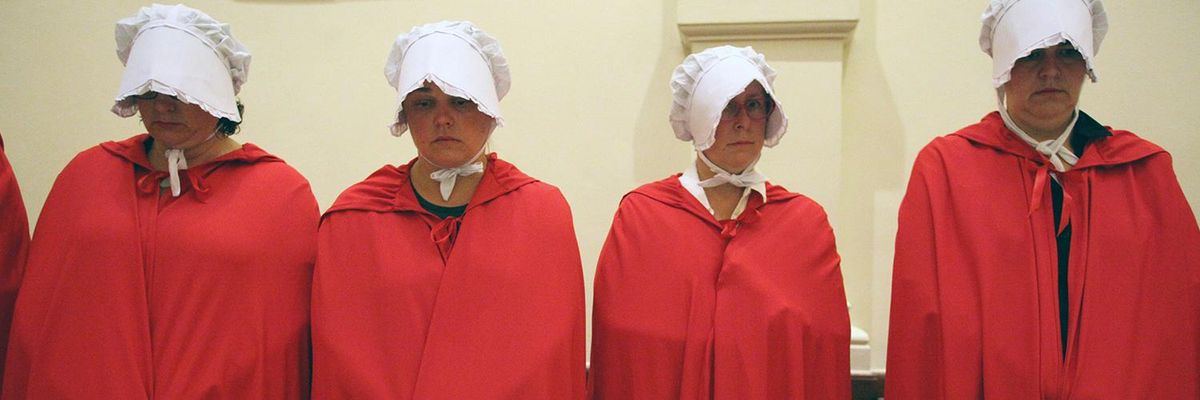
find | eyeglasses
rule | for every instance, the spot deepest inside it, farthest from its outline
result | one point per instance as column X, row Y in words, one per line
column 756, row 109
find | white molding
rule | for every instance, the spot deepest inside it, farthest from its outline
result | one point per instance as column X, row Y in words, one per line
column 770, row 30
column 860, row 351
column 871, row 373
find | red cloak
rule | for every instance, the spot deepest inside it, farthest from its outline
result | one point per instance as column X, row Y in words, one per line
column 14, row 242
column 687, row 307
column 131, row 293
column 485, row 306
column 975, row 288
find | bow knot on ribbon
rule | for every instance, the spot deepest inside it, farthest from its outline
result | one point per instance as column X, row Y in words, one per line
column 729, row 228
column 1054, row 152
column 446, row 177
column 152, row 183
column 748, row 177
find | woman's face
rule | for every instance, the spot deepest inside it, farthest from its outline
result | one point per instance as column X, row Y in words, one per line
column 1044, row 88
column 447, row 130
column 743, row 127
column 175, row 124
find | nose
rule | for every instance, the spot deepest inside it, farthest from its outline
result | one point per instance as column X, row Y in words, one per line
column 1051, row 67
column 443, row 117
column 742, row 120
column 164, row 104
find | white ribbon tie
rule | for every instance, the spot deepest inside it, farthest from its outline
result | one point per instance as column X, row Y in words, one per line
column 446, row 177
column 747, row 178
column 1055, row 150
column 175, row 162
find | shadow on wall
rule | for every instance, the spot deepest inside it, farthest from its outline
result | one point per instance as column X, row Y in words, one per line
column 656, row 151
column 872, row 164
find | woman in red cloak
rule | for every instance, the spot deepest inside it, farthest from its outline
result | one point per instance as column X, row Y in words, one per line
column 454, row 276
column 174, row 264
column 1040, row 254
column 714, row 283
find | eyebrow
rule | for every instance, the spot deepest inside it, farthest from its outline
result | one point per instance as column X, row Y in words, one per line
column 418, row 95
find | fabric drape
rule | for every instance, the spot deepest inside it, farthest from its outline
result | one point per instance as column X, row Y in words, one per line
column 488, row 305
column 131, row 293
column 688, row 307
column 975, row 309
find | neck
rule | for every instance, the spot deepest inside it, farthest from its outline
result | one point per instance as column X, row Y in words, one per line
column 1043, row 132
column 206, row 151
column 702, row 170
column 430, row 190
column 704, row 173
column 1037, row 128
column 722, row 198
column 1047, row 132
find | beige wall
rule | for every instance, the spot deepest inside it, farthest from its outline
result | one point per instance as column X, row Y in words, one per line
column 588, row 107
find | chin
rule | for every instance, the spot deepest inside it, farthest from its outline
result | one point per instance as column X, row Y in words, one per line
column 736, row 167
column 449, row 161
column 1054, row 113
column 170, row 139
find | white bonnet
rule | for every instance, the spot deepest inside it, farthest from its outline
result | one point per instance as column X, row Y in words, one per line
column 182, row 52
column 461, row 59
column 1012, row 29
column 705, row 83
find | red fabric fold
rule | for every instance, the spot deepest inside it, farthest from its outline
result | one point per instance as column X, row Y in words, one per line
column 14, row 245
column 687, row 307
column 135, row 294
column 486, row 306
column 443, row 234
column 975, row 309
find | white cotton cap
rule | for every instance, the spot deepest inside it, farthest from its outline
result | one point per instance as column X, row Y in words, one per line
column 181, row 52
column 1012, row 29
column 458, row 57
column 705, row 83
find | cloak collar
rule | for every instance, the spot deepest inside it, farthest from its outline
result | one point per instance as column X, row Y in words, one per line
column 1107, row 147
column 388, row 189
column 671, row 193
column 133, row 151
